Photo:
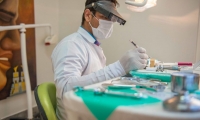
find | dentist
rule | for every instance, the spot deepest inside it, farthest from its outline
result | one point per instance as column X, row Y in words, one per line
column 78, row 60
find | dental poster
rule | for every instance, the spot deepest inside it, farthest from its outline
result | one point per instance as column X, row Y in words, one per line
column 12, row 80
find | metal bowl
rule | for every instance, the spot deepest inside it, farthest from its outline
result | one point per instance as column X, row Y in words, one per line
column 182, row 103
column 184, row 81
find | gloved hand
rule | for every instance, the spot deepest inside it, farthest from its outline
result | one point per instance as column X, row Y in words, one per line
column 134, row 59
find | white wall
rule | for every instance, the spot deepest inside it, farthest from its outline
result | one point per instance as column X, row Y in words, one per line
column 198, row 42
column 46, row 11
column 168, row 31
column 70, row 16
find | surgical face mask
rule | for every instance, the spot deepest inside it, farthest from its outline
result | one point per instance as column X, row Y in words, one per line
column 104, row 30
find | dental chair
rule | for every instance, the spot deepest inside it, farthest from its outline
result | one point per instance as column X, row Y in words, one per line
column 45, row 96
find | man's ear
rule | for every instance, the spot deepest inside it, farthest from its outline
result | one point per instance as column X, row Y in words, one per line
column 87, row 15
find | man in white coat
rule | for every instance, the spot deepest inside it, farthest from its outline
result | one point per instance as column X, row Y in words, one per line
column 78, row 60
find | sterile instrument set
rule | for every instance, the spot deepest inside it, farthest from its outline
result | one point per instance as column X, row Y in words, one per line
column 183, row 97
column 178, row 89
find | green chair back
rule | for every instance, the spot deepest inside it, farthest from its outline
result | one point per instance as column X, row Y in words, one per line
column 45, row 96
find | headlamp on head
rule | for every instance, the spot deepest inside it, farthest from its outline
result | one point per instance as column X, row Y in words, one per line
column 108, row 9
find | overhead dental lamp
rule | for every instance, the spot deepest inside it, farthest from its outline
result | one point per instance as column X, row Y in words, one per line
column 140, row 5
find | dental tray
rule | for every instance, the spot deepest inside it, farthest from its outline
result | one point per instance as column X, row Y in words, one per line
column 164, row 77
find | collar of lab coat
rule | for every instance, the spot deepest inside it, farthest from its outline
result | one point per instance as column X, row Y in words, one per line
column 88, row 36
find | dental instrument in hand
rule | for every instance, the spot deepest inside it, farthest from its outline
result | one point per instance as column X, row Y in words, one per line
column 133, row 43
column 136, row 47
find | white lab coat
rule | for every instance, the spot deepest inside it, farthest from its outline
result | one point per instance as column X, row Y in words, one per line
column 77, row 61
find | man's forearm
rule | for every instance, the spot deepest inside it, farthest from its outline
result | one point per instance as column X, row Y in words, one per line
column 111, row 71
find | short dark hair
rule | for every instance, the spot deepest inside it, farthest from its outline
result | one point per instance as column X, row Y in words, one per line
column 92, row 9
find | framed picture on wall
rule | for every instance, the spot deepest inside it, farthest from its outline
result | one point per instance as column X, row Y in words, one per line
column 12, row 82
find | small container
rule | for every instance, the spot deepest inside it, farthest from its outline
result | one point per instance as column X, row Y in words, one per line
column 184, row 81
